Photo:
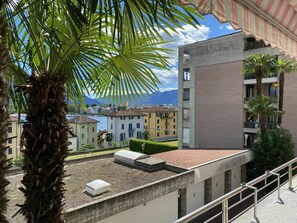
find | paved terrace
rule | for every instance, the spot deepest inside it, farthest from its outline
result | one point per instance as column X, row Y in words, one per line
column 271, row 210
column 120, row 177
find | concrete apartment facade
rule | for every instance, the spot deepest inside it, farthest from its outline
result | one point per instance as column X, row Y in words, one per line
column 85, row 129
column 161, row 122
column 213, row 90
column 125, row 124
column 14, row 137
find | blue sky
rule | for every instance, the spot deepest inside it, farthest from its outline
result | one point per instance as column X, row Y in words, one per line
column 210, row 28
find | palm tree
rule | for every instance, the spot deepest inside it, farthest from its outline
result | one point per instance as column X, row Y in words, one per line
column 283, row 66
column 263, row 107
column 8, row 42
column 67, row 51
column 262, row 65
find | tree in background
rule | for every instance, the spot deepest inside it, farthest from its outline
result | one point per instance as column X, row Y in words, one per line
column 272, row 148
column 146, row 134
column 283, row 66
column 262, row 65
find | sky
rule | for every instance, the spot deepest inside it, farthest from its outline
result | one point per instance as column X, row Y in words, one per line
column 210, row 28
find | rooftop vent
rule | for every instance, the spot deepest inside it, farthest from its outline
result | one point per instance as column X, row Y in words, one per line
column 97, row 187
column 128, row 157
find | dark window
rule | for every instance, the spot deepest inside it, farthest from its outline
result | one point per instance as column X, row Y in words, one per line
column 174, row 120
column 158, row 121
column 93, row 140
column 82, row 136
column 110, row 126
column 122, row 136
column 9, row 150
column 123, row 126
column 93, row 129
column 138, row 135
column 9, row 141
column 158, row 134
column 83, row 127
column 111, row 118
column 9, row 129
column 186, row 74
column 130, row 127
column 138, row 117
column 186, row 95
column 138, row 125
column 145, row 121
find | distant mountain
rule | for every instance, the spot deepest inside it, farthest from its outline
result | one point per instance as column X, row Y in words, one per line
column 156, row 98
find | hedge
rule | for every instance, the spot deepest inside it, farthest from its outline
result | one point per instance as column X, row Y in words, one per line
column 150, row 146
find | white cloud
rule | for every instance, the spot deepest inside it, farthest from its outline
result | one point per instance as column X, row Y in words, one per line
column 167, row 77
column 221, row 27
column 229, row 27
column 167, row 89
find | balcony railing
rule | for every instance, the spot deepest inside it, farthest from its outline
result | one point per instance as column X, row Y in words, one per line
column 248, row 76
column 230, row 206
column 254, row 125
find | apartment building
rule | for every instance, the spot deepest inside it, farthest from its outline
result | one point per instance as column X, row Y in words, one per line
column 85, row 129
column 14, row 137
column 125, row 124
column 213, row 90
column 161, row 122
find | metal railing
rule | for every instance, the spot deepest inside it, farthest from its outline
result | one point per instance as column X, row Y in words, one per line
column 245, row 197
column 248, row 76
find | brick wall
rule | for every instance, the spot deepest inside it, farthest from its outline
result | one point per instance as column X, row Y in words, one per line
column 219, row 106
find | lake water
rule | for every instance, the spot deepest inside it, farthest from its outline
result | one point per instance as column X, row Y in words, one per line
column 102, row 124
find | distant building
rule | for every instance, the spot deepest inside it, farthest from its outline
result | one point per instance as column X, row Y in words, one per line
column 161, row 122
column 14, row 136
column 85, row 129
column 125, row 124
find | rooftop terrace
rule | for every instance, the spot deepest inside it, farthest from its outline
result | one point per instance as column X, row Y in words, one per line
column 120, row 177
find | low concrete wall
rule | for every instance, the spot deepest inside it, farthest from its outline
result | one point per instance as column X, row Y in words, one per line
column 98, row 210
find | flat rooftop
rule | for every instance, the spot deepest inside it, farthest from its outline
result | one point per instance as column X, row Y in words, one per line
column 120, row 177
column 188, row 158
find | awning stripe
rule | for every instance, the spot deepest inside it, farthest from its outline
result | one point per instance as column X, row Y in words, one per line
column 274, row 21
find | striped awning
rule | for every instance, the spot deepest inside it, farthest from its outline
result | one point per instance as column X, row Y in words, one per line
column 274, row 21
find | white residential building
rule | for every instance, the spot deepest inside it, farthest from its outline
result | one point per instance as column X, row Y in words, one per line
column 125, row 124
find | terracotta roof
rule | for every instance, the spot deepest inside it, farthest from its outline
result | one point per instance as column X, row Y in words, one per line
column 126, row 113
column 12, row 119
column 158, row 109
column 187, row 158
column 82, row 119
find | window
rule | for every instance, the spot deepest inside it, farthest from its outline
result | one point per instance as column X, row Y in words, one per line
column 166, row 132
column 150, row 115
column 83, row 127
column 186, row 74
column 138, row 135
column 158, row 134
column 93, row 129
column 186, row 94
column 110, row 126
column 111, row 118
column 174, row 126
column 122, row 137
column 186, row 113
column 158, row 127
column 174, row 120
column 130, row 127
column 9, row 150
column 82, row 136
column 93, row 140
column 145, row 121
column 123, row 126
column 9, row 141
column 9, row 129
column 272, row 91
column 174, row 114
column 131, row 134
column 131, row 117
column 138, row 125
column 158, row 121
column 186, row 135
column 122, row 117
column 138, row 117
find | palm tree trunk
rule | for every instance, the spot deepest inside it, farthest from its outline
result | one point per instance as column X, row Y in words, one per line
column 259, row 83
column 4, row 116
column 281, row 96
column 46, row 147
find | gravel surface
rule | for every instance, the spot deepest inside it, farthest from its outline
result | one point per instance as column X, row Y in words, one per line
column 120, row 177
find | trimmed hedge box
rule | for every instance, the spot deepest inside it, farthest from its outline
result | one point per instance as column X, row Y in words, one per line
column 150, row 146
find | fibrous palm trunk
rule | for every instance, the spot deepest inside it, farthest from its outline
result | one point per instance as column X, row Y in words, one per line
column 46, row 143
column 259, row 83
column 281, row 96
column 4, row 163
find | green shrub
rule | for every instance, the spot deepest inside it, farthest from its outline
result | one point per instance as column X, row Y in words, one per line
column 272, row 148
column 150, row 147
column 18, row 161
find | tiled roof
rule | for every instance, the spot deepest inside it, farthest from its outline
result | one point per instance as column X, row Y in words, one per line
column 158, row 109
column 187, row 158
column 126, row 113
column 82, row 119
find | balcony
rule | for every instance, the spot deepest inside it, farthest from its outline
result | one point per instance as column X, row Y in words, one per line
column 269, row 198
column 251, row 79
column 252, row 127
